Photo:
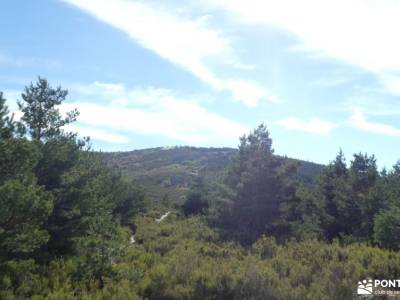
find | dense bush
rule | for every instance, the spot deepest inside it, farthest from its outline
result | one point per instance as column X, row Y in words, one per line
column 195, row 204
column 200, row 267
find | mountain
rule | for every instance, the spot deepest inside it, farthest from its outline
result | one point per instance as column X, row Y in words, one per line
column 168, row 172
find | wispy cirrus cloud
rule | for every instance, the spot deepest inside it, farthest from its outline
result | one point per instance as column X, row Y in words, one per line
column 364, row 38
column 359, row 120
column 314, row 126
column 359, row 33
column 189, row 42
column 107, row 109
column 370, row 101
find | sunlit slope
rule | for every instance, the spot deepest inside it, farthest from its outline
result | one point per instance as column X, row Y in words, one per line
column 167, row 172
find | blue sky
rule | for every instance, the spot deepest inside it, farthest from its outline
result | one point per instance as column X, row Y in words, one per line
column 322, row 75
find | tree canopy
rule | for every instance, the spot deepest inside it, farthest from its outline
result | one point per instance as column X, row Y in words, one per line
column 41, row 114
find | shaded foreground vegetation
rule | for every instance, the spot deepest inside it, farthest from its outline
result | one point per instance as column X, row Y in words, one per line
column 251, row 227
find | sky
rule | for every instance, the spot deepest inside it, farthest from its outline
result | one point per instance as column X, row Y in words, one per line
column 322, row 75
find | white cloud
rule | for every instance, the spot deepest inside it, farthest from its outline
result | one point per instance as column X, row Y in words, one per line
column 98, row 134
column 151, row 111
column 247, row 92
column 371, row 103
column 358, row 32
column 315, row 126
column 359, row 121
column 112, row 87
column 391, row 83
column 187, row 42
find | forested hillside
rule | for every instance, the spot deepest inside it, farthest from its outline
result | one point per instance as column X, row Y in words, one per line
column 169, row 172
column 247, row 224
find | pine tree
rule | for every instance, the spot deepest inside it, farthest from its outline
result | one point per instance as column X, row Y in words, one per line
column 41, row 115
column 387, row 228
column 8, row 127
column 24, row 205
column 333, row 189
column 262, row 183
column 350, row 197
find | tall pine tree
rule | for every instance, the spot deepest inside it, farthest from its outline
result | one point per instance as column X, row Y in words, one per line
column 41, row 115
column 262, row 182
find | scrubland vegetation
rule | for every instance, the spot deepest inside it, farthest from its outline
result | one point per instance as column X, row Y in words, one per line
column 73, row 226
